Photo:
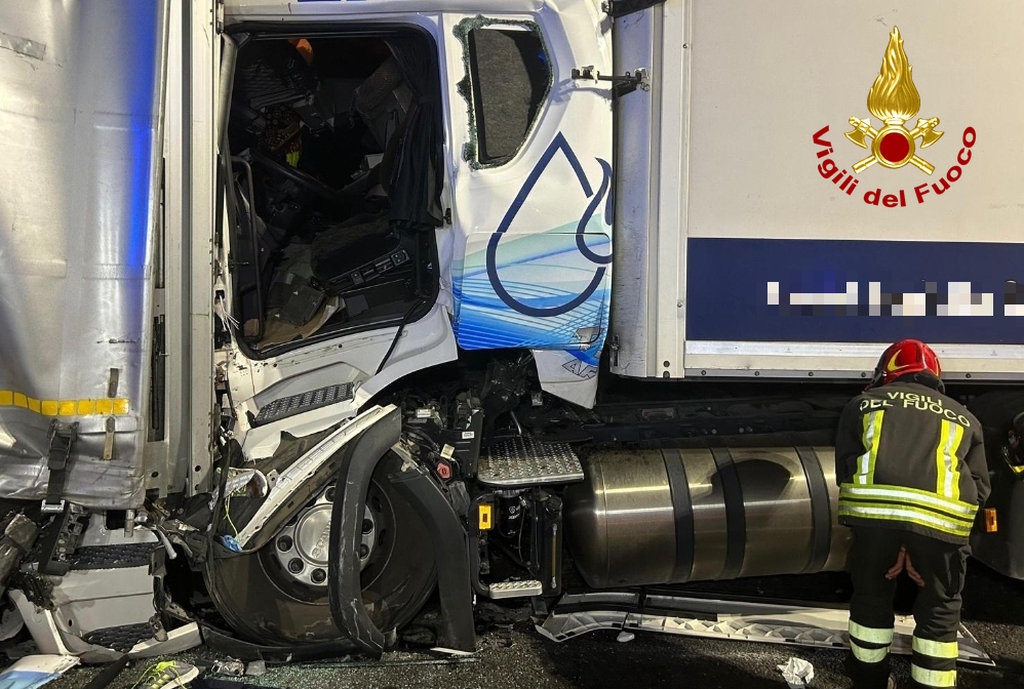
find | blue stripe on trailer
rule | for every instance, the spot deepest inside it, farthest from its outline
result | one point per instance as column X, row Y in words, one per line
column 854, row 291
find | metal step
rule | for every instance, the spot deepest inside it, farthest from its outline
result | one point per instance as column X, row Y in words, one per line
column 122, row 639
column 303, row 402
column 515, row 589
column 113, row 556
column 777, row 622
column 525, row 461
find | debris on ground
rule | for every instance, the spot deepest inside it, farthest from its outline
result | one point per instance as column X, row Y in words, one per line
column 797, row 672
column 35, row 671
column 256, row 668
column 229, row 667
column 167, row 674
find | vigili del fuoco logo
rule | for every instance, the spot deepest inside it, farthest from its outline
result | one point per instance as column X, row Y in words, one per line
column 894, row 100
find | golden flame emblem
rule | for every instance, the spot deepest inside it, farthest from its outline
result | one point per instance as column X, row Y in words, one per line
column 894, row 99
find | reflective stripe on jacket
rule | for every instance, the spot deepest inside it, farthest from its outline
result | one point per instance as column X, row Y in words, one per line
column 909, row 457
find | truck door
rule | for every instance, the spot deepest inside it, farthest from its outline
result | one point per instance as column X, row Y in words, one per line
column 532, row 151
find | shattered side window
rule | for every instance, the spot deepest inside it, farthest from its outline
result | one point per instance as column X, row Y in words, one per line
column 509, row 77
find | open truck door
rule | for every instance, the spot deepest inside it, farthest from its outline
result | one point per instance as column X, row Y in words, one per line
column 531, row 142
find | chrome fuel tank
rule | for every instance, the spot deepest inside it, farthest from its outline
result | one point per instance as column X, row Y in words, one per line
column 670, row 516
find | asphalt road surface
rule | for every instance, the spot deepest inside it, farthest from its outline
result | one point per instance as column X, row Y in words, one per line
column 512, row 655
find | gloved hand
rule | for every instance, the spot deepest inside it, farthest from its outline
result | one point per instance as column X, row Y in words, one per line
column 903, row 562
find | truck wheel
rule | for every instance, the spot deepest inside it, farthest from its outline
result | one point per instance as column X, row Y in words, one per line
column 1003, row 550
column 278, row 595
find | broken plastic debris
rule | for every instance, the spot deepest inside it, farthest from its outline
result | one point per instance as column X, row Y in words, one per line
column 35, row 671
column 623, row 637
column 256, row 668
column 230, row 543
column 229, row 667
column 797, row 672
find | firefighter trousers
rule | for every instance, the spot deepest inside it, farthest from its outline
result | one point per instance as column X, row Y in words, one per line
column 936, row 610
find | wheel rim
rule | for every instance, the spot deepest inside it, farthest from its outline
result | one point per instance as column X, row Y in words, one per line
column 298, row 561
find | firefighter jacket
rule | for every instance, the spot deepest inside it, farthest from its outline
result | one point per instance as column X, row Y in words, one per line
column 909, row 457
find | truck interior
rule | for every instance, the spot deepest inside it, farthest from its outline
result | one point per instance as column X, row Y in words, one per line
column 335, row 143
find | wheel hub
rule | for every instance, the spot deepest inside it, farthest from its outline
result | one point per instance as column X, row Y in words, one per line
column 302, row 546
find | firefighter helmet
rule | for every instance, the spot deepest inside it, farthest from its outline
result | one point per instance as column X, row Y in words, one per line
column 903, row 358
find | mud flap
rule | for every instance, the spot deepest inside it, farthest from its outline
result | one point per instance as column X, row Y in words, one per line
column 1002, row 419
column 344, row 588
column 451, row 552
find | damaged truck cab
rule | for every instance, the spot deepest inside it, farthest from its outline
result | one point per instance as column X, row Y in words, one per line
column 311, row 309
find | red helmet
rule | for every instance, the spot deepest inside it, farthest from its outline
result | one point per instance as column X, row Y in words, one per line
column 903, row 358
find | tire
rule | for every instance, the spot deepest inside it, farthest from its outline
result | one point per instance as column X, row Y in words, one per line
column 255, row 595
column 1001, row 550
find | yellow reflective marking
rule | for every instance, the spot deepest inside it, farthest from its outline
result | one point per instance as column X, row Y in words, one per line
column 871, row 635
column 933, row 678
column 954, row 463
column 875, row 439
column 956, row 508
column 907, row 514
column 947, row 473
column 868, row 655
column 872, row 435
column 82, row 407
column 940, row 457
column 937, row 649
column 887, row 508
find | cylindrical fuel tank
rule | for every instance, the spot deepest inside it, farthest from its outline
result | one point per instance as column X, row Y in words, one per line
column 670, row 516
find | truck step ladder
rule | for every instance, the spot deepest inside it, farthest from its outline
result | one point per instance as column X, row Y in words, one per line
column 525, row 461
column 528, row 588
column 723, row 618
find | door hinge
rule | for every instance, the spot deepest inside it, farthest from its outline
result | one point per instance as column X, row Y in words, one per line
column 631, row 81
column 620, row 8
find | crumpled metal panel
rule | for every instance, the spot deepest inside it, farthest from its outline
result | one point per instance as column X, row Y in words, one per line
column 738, row 620
column 80, row 93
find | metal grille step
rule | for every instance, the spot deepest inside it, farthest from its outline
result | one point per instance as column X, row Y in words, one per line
column 515, row 589
column 739, row 620
column 307, row 401
column 113, row 556
column 121, row 639
column 525, row 461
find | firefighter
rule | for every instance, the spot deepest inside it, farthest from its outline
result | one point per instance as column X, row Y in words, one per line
column 912, row 474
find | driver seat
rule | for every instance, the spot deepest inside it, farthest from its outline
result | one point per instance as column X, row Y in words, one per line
column 362, row 247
